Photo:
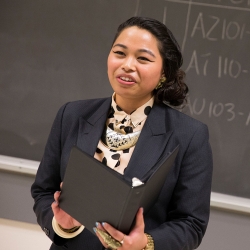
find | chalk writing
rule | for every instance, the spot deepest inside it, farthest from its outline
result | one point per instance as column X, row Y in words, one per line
column 230, row 30
column 225, row 65
column 214, row 110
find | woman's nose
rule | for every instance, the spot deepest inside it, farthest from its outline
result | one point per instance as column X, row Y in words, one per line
column 128, row 64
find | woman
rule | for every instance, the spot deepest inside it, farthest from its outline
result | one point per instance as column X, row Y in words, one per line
column 144, row 72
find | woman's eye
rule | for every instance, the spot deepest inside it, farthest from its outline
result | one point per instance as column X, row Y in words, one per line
column 119, row 53
column 144, row 58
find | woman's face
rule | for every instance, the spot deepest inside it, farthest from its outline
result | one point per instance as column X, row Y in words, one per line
column 134, row 65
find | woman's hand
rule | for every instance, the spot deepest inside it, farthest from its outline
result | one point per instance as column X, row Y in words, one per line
column 136, row 240
column 62, row 218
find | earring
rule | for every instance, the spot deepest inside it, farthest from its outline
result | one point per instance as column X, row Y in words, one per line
column 159, row 85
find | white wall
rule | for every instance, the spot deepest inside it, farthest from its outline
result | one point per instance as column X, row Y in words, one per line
column 226, row 231
column 22, row 236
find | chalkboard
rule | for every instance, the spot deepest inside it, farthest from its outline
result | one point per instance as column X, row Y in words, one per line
column 52, row 52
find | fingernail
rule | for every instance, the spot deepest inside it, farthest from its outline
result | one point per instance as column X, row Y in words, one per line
column 94, row 229
column 96, row 224
column 103, row 223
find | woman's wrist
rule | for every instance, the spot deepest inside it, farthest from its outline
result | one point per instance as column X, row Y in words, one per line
column 150, row 243
column 71, row 230
column 66, row 233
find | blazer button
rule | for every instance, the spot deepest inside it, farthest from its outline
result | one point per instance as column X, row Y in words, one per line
column 46, row 231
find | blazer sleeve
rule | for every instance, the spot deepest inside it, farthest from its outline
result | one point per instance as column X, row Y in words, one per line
column 188, row 214
column 48, row 180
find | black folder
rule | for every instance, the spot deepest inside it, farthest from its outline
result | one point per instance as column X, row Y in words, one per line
column 93, row 192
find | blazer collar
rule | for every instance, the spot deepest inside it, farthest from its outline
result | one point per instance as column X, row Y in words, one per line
column 151, row 144
column 90, row 129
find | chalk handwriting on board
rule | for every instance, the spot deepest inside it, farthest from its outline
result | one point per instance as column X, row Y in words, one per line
column 228, row 30
column 215, row 110
column 236, row 4
column 225, row 66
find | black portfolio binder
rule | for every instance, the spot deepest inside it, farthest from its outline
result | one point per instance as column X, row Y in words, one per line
column 93, row 192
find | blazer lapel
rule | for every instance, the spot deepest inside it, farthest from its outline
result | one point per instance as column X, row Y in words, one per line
column 151, row 144
column 90, row 130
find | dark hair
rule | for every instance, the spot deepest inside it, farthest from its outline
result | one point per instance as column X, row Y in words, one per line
column 174, row 89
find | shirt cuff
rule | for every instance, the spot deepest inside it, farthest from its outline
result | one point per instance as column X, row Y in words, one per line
column 63, row 234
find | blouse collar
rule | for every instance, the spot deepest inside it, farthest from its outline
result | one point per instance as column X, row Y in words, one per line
column 136, row 117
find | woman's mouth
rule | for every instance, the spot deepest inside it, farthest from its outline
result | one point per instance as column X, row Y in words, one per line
column 125, row 80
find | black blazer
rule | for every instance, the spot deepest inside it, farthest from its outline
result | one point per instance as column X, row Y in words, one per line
column 179, row 218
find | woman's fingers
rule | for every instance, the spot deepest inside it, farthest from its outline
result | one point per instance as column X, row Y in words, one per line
column 135, row 240
column 57, row 195
column 139, row 221
column 63, row 218
column 100, row 238
column 117, row 235
column 55, row 205
column 103, row 228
